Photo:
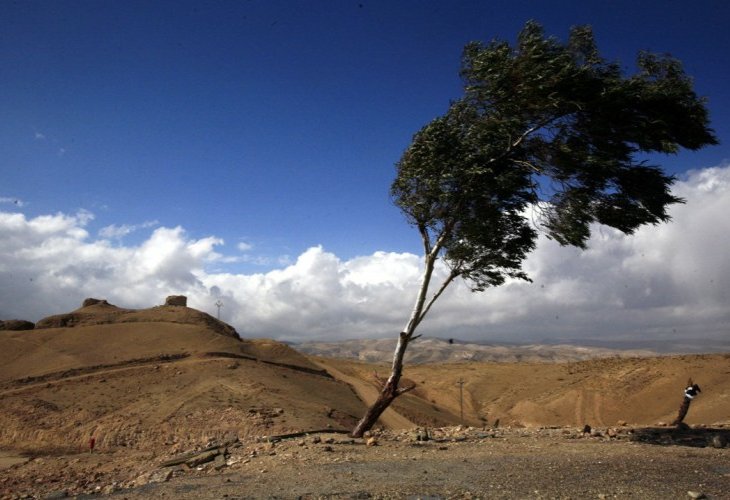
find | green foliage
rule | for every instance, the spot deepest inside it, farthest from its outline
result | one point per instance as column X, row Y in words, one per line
column 549, row 126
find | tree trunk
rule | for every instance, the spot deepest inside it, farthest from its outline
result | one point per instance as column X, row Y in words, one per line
column 387, row 395
column 690, row 393
column 389, row 391
column 683, row 409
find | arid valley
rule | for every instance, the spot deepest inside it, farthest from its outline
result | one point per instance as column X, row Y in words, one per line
column 179, row 406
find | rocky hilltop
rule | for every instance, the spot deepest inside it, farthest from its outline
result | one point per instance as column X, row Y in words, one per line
column 100, row 312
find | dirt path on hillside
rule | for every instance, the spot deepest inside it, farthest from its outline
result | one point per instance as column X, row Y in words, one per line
column 20, row 385
column 10, row 387
column 10, row 458
column 368, row 394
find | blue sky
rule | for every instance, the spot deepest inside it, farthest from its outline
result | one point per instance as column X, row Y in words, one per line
column 271, row 127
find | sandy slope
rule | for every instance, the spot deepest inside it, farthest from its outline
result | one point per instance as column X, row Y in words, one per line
column 641, row 391
column 368, row 393
column 162, row 376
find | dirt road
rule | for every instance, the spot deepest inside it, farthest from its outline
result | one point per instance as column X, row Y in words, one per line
column 458, row 463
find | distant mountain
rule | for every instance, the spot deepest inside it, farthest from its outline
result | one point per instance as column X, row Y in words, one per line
column 434, row 350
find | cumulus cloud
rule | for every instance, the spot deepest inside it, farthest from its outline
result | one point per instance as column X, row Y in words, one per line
column 664, row 282
column 117, row 232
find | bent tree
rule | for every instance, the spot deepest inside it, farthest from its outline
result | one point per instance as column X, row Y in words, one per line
column 546, row 128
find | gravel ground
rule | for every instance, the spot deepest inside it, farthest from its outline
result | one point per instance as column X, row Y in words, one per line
column 454, row 463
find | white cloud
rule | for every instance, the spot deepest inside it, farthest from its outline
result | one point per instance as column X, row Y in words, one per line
column 244, row 247
column 39, row 136
column 117, row 232
column 667, row 281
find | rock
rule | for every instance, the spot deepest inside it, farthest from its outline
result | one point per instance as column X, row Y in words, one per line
column 586, row 429
column 328, row 448
column 612, row 433
column 16, row 325
column 160, row 476
column 176, row 300
column 622, row 423
column 696, row 494
column 220, row 462
column 91, row 302
column 372, row 441
column 202, row 458
column 718, row 441
column 109, row 489
column 316, row 440
column 56, row 494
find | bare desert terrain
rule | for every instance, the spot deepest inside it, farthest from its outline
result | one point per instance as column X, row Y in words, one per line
column 180, row 407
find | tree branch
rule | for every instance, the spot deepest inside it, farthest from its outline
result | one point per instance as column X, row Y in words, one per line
column 522, row 137
column 438, row 293
column 425, row 238
column 380, row 380
column 403, row 390
column 441, row 240
column 529, row 165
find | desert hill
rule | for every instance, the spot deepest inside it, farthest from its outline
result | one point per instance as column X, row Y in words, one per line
column 169, row 375
column 101, row 334
column 600, row 392
column 174, row 377
column 434, row 350
column 101, row 312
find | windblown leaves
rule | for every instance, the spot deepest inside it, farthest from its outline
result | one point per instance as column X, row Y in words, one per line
column 548, row 125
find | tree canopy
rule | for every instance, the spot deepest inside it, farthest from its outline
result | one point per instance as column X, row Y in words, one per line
column 548, row 136
column 553, row 126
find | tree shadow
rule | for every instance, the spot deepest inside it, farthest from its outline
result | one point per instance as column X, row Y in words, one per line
column 713, row 437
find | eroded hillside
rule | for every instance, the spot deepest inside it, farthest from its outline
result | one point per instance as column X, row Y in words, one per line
column 173, row 376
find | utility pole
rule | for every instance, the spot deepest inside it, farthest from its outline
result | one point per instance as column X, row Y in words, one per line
column 219, row 304
column 461, row 383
